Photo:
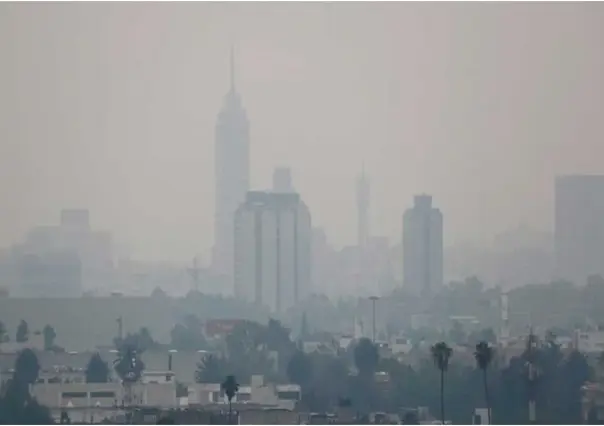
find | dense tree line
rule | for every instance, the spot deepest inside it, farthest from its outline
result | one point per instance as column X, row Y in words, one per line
column 450, row 389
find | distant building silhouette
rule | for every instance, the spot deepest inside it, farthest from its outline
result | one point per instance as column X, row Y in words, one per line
column 282, row 180
column 363, row 203
column 232, row 175
column 579, row 227
column 273, row 250
column 423, row 247
column 63, row 260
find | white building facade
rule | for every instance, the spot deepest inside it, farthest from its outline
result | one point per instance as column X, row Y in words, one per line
column 272, row 250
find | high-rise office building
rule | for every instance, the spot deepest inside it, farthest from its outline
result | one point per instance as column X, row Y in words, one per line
column 232, row 175
column 273, row 250
column 282, row 180
column 363, row 194
column 579, row 227
column 423, row 247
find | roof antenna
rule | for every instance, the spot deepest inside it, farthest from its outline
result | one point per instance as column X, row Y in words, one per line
column 233, row 89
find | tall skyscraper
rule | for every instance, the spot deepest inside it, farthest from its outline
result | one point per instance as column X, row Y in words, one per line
column 273, row 250
column 232, row 175
column 423, row 247
column 363, row 203
column 579, row 227
column 282, row 180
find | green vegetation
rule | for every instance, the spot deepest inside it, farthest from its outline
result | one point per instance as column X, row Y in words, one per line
column 484, row 356
column 16, row 405
column 441, row 353
column 439, row 381
column 128, row 364
column 188, row 336
column 230, row 387
column 22, row 332
column 97, row 370
column 3, row 333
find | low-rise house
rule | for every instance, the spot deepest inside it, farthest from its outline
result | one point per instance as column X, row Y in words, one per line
column 284, row 396
column 589, row 341
column 84, row 402
column 400, row 345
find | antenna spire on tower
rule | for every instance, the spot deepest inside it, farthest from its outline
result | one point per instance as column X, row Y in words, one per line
column 232, row 68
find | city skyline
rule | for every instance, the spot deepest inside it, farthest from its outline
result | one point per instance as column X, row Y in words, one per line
column 138, row 112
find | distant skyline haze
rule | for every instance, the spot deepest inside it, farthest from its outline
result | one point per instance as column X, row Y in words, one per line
column 112, row 107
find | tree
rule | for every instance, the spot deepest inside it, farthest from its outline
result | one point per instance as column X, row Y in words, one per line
column 128, row 365
column 188, row 336
column 212, row 369
column 3, row 333
column 145, row 340
column 27, row 367
column 65, row 420
column 299, row 369
column 49, row 337
column 230, row 387
column 142, row 340
column 16, row 405
column 22, row 332
column 247, row 350
column 483, row 356
column 575, row 372
column 275, row 336
column 366, row 357
column 441, row 353
column 97, row 370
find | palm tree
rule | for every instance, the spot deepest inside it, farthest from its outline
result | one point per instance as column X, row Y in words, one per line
column 230, row 387
column 483, row 356
column 441, row 353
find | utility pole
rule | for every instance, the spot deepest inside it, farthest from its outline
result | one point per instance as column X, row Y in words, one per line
column 373, row 300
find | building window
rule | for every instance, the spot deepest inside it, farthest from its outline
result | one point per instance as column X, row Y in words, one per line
column 74, row 395
column 243, row 397
column 289, row 395
column 102, row 394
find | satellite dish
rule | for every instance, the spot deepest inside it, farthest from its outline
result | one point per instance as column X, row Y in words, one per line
column 97, row 404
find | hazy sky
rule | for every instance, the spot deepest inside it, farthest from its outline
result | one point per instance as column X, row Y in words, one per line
column 112, row 107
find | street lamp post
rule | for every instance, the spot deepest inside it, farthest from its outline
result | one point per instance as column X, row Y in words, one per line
column 373, row 300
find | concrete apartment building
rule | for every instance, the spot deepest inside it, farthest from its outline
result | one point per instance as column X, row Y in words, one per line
column 85, row 402
column 579, row 227
column 423, row 247
column 272, row 250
